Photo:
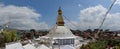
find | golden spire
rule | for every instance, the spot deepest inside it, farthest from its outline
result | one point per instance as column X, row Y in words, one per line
column 60, row 21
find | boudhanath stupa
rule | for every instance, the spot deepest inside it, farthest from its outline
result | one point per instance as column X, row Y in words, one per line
column 60, row 34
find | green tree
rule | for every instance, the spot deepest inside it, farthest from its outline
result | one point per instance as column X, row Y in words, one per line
column 9, row 36
column 14, row 35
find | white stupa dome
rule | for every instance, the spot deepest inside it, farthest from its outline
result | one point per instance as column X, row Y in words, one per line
column 60, row 32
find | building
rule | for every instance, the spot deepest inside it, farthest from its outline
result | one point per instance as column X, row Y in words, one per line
column 59, row 34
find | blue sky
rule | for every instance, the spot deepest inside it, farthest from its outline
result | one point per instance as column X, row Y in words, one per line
column 71, row 8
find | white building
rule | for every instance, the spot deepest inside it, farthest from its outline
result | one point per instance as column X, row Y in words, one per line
column 16, row 45
column 29, row 46
column 59, row 34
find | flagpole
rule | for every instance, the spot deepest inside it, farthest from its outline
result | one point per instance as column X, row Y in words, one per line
column 105, row 16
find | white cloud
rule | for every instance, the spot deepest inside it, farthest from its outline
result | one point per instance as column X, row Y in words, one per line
column 92, row 17
column 21, row 17
column 117, row 2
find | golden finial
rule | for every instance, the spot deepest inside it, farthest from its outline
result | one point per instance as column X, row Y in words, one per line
column 60, row 21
